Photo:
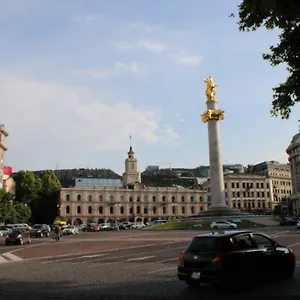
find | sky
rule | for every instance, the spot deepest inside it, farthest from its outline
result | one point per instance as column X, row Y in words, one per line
column 78, row 77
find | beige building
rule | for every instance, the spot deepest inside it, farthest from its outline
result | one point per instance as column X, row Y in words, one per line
column 293, row 151
column 246, row 192
column 134, row 201
column 3, row 149
column 9, row 184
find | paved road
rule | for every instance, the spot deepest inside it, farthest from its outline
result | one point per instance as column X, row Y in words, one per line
column 120, row 265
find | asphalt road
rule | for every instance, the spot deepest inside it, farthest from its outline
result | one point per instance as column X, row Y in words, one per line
column 121, row 265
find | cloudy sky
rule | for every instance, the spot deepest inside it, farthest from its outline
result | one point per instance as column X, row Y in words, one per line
column 77, row 77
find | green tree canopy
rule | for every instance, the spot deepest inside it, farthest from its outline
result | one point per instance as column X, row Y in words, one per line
column 285, row 16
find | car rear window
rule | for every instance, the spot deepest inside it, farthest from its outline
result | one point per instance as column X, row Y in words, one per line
column 205, row 244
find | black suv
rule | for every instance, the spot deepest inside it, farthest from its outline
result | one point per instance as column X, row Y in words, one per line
column 40, row 230
column 234, row 258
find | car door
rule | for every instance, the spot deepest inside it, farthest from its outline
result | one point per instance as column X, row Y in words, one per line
column 246, row 255
column 268, row 253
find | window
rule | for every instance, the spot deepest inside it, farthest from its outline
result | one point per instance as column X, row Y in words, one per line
column 67, row 209
column 138, row 209
column 200, row 199
column 122, row 210
column 90, row 197
column 173, row 199
column 164, row 210
column 138, row 199
column 243, row 242
column 182, row 199
column 90, row 210
column 192, row 198
column 154, row 210
column 111, row 198
column 78, row 209
column 100, row 198
column 130, row 199
column 111, row 210
column 262, row 242
column 192, row 210
column 153, row 198
column 132, row 166
column 205, row 245
column 163, row 198
column 122, row 198
column 183, row 210
column 67, row 197
column 145, row 210
column 131, row 210
column 100, row 210
column 173, row 210
column 78, row 197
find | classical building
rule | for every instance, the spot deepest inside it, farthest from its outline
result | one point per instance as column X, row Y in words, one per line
column 293, row 151
column 280, row 181
column 133, row 201
column 3, row 149
column 247, row 192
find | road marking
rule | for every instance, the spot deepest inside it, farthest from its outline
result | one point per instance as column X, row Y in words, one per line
column 126, row 256
column 30, row 246
column 140, row 258
column 75, row 255
column 170, row 259
column 72, row 258
column 292, row 245
column 161, row 270
column 11, row 256
column 3, row 260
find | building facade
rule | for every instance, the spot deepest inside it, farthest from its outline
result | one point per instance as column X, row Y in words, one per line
column 293, row 152
column 3, row 149
column 246, row 192
column 134, row 201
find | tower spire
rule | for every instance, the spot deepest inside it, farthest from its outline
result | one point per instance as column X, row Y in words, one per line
column 130, row 141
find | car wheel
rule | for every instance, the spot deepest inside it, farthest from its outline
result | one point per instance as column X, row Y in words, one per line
column 41, row 235
column 215, row 227
column 193, row 283
column 231, row 227
column 47, row 234
column 235, row 282
column 288, row 271
column 21, row 242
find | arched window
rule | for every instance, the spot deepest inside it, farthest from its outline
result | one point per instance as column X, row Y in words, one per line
column 130, row 199
column 90, row 210
column 200, row 199
column 101, row 198
column 154, row 210
column 182, row 199
column 111, row 198
column 111, row 210
column 201, row 208
column 122, row 210
column 145, row 210
column 90, row 197
column 163, row 198
column 164, row 210
column 68, row 197
column 122, row 198
column 153, row 198
column 138, row 199
column 183, row 210
column 101, row 210
column 138, row 209
column 192, row 198
column 173, row 210
column 78, row 197
column 131, row 210
column 192, row 210
column 67, row 209
column 79, row 209
column 173, row 199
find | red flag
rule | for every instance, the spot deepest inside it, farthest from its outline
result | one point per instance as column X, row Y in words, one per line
column 7, row 170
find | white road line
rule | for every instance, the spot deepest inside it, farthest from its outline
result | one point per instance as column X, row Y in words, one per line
column 292, row 245
column 3, row 260
column 124, row 256
column 72, row 258
column 140, row 258
column 12, row 257
column 170, row 259
column 161, row 270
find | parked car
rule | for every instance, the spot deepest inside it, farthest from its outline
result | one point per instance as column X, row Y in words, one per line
column 71, row 229
column 222, row 225
column 224, row 257
column 40, row 230
column 4, row 230
column 298, row 223
column 92, row 228
column 18, row 236
column 138, row 225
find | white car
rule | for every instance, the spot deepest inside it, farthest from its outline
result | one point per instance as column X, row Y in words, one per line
column 222, row 225
column 70, row 230
column 298, row 223
column 4, row 231
column 138, row 225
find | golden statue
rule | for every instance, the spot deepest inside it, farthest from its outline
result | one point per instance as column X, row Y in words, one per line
column 210, row 88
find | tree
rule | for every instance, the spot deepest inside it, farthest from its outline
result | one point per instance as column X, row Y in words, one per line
column 285, row 16
column 22, row 212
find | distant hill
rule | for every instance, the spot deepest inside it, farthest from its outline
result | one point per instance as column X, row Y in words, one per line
column 67, row 176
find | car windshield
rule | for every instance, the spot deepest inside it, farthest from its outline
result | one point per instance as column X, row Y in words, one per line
column 16, row 231
column 69, row 227
column 3, row 228
column 205, row 244
column 37, row 226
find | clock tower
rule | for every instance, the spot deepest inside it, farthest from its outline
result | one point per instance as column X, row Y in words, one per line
column 131, row 174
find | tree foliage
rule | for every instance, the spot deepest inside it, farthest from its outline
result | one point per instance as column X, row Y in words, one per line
column 285, row 16
column 11, row 211
column 40, row 193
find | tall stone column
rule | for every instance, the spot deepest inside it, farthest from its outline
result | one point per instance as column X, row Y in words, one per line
column 212, row 117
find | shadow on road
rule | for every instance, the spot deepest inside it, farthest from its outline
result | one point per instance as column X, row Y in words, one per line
column 127, row 290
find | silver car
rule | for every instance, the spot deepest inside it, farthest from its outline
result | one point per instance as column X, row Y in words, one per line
column 70, row 230
column 4, row 231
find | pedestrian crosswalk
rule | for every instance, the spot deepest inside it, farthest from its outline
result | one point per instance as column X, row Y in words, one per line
column 9, row 257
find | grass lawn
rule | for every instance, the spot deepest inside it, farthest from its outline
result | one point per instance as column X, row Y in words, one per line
column 202, row 225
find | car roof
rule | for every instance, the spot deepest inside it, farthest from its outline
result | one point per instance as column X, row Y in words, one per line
column 223, row 233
